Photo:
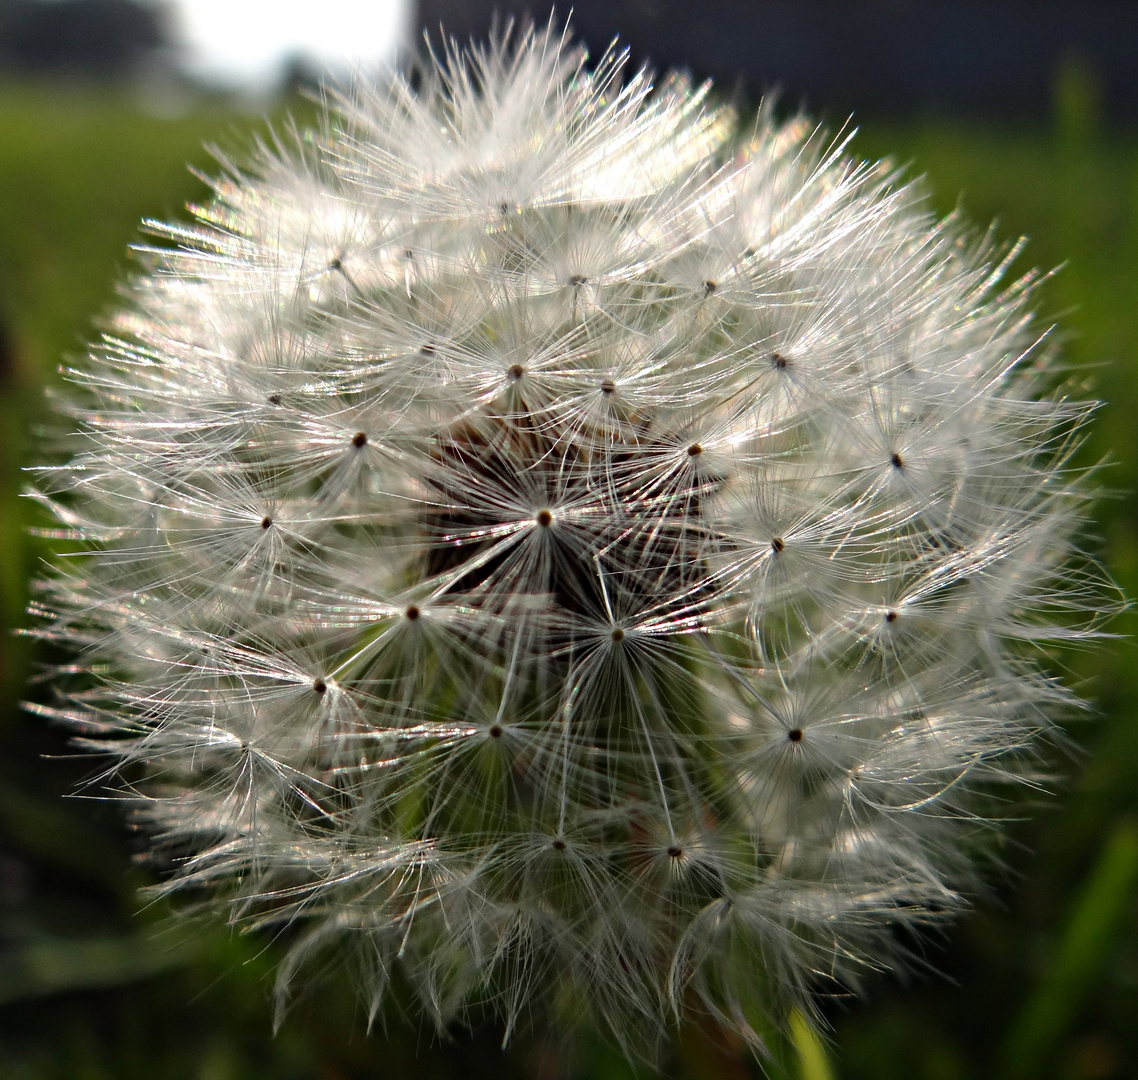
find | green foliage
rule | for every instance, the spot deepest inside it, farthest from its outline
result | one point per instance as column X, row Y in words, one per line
column 1042, row 978
column 1091, row 932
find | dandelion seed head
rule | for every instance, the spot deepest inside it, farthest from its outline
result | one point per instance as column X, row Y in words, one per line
column 546, row 546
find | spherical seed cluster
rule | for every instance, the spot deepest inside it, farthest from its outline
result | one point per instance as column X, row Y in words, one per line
column 550, row 548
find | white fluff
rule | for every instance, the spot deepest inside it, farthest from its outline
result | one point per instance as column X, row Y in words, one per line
column 563, row 555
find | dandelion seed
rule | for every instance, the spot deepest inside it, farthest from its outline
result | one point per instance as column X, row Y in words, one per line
column 664, row 741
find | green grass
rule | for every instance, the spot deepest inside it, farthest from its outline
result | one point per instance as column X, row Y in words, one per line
column 77, row 172
column 1042, row 977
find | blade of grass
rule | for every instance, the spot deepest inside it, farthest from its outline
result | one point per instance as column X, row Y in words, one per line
column 814, row 1064
column 1085, row 947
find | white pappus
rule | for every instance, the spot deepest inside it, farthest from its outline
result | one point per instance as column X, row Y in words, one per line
column 561, row 552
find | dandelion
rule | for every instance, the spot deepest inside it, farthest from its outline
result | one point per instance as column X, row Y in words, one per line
column 561, row 556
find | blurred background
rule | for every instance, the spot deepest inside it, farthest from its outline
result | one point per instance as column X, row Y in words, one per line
column 1023, row 113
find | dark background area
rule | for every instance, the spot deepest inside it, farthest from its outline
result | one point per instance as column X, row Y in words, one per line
column 93, row 38
column 980, row 58
column 1026, row 113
